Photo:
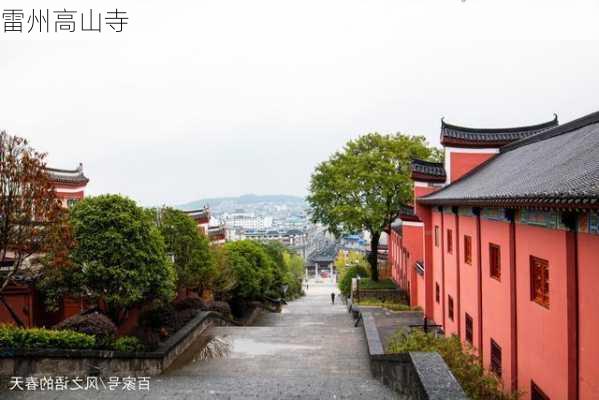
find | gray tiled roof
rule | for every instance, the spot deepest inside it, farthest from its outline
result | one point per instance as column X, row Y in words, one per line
column 428, row 168
column 454, row 134
column 68, row 175
column 559, row 167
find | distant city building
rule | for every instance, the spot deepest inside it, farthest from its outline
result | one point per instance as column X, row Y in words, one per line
column 246, row 221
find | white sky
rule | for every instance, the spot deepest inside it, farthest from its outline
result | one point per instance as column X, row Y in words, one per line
column 211, row 98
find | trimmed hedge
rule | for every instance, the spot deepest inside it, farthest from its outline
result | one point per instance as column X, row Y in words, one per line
column 39, row 338
column 128, row 344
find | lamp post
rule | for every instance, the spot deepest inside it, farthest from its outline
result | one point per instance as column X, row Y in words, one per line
column 358, row 287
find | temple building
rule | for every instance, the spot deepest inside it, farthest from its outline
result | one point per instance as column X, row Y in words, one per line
column 503, row 248
column 69, row 185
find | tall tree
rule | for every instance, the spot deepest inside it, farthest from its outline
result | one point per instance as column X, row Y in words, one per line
column 32, row 220
column 190, row 249
column 365, row 185
column 120, row 256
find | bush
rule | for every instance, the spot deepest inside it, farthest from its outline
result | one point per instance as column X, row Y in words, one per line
column 40, row 338
column 463, row 363
column 344, row 283
column 220, row 307
column 128, row 344
column 158, row 317
column 94, row 323
column 191, row 303
column 252, row 267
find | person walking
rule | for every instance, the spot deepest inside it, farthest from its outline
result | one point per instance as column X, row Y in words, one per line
column 332, row 297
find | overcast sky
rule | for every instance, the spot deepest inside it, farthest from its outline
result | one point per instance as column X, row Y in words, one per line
column 211, row 98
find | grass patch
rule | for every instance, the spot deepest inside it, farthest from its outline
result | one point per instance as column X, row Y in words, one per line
column 367, row 283
column 462, row 361
column 393, row 306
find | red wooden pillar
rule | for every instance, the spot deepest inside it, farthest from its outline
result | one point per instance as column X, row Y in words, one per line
column 442, row 239
column 572, row 299
column 511, row 215
column 479, row 276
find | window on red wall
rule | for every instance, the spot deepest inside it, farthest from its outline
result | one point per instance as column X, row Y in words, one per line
column 469, row 328
column 450, row 306
column 449, row 242
column 494, row 261
column 436, row 236
column 437, row 292
column 539, row 281
column 536, row 393
column 495, row 358
column 468, row 249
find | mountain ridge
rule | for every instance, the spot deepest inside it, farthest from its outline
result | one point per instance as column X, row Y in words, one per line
column 243, row 199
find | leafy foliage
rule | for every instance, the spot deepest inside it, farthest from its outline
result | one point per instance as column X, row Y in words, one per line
column 31, row 216
column 253, row 269
column 128, row 344
column 344, row 281
column 38, row 338
column 288, row 272
column 120, row 256
column 191, row 249
column 225, row 280
column 462, row 361
column 94, row 324
column 365, row 186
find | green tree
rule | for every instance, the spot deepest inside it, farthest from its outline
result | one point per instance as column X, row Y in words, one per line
column 225, row 280
column 364, row 186
column 289, row 269
column 344, row 282
column 191, row 249
column 119, row 257
column 253, row 269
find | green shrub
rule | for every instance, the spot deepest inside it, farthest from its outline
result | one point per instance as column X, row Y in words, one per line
column 40, row 338
column 462, row 361
column 344, row 283
column 128, row 344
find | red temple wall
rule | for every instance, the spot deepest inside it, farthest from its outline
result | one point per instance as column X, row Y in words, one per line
column 496, row 315
column 469, row 284
column 462, row 163
column 588, row 278
column 437, row 269
column 412, row 243
column 542, row 332
column 451, row 274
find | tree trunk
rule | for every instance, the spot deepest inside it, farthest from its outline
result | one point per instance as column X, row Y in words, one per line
column 373, row 255
column 12, row 313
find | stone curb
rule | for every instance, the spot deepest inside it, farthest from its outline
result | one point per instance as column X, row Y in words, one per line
column 415, row 375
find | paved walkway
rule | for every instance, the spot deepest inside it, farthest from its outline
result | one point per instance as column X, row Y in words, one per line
column 309, row 351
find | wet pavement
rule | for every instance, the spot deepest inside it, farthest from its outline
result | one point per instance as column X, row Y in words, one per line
column 309, row 351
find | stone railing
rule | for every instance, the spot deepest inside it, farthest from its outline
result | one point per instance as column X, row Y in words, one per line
column 107, row 362
column 414, row 375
